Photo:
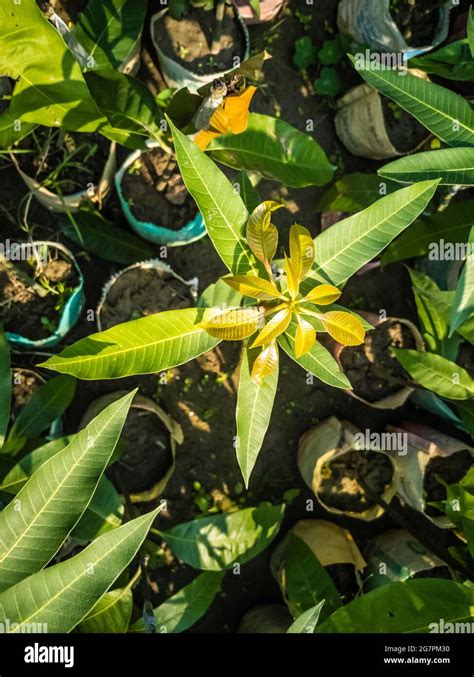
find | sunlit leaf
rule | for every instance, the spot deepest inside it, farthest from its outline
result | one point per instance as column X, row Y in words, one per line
column 274, row 327
column 301, row 250
column 251, row 285
column 323, row 295
column 262, row 235
column 304, row 338
column 265, row 363
column 344, row 328
column 231, row 324
column 292, row 278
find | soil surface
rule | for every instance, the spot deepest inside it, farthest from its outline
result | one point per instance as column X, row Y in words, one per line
column 340, row 486
column 156, row 193
column 188, row 40
column 450, row 470
column 404, row 131
column 143, row 291
column 31, row 299
column 344, row 578
column 435, row 572
column 24, row 385
column 372, row 371
column 64, row 162
column 417, row 21
column 148, row 454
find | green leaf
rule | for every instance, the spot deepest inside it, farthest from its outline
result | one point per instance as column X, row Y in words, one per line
column 109, row 30
column 454, row 166
column 216, row 542
column 46, row 509
column 318, row 361
column 222, row 208
column 411, row 606
column 275, row 150
column 50, row 89
column 431, row 312
column 354, row 192
column 329, row 82
column 306, row 53
column 463, row 306
column 126, row 102
column 5, row 386
column 112, row 613
column 436, row 373
column 307, row 622
column 453, row 61
column 248, row 193
column 145, row 346
column 452, row 225
column 101, row 238
column 187, row 606
column 345, row 247
column 446, row 114
column 306, row 581
column 46, row 405
column 466, row 412
column 253, row 412
column 105, row 510
column 219, row 294
column 61, row 596
column 470, row 30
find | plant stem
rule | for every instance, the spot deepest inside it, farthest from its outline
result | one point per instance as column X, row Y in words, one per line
column 216, row 35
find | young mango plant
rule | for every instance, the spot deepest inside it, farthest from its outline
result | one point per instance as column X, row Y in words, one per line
column 289, row 309
column 34, row 527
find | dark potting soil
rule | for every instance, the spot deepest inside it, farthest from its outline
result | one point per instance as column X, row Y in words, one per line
column 372, row 371
column 435, row 572
column 155, row 191
column 143, row 291
column 417, row 21
column 403, row 130
column 47, row 149
column 24, row 309
column 465, row 358
column 148, row 453
column 24, row 385
column 188, row 40
column 340, row 487
column 344, row 578
column 451, row 470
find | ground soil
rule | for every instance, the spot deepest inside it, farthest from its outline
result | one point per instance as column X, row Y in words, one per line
column 201, row 395
column 24, row 385
column 417, row 21
column 344, row 578
column 148, row 454
column 85, row 156
column 435, row 572
column 188, row 40
column 340, row 486
column 143, row 291
column 404, row 131
column 372, row 371
column 450, row 470
column 22, row 309
column 155, row 191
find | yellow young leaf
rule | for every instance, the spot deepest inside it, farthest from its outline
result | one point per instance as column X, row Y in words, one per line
column 274, row 327
column 231, row 324
column 292, row 279
column 256, row 287
column 262, row 235
column 323, row 295
column 231, row 116
column 301, row 251
column 344, row 327
column 265, row 363
column 304, row 338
